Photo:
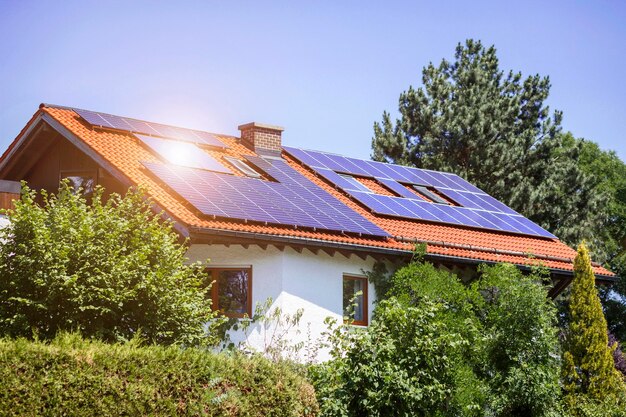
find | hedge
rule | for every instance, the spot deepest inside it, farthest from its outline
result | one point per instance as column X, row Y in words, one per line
column 70, row 376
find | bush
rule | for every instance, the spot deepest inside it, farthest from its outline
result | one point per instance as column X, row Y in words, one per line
column 437, row 347
column 71, row 376
column 107, row 269
column 403, row 365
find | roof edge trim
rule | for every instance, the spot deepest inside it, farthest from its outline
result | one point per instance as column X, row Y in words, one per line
column 76, row 141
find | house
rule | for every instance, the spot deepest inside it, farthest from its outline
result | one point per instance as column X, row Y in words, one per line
column 298, row 226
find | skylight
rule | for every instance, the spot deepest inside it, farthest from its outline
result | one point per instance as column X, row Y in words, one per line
column 243, row 167
column 356, row 184
column 431, row 195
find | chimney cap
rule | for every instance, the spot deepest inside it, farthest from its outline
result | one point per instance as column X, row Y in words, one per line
column 260, row 126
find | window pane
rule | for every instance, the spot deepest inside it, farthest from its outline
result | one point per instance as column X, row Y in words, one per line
column 87, row 184
column 232, row 291
column 352, row 303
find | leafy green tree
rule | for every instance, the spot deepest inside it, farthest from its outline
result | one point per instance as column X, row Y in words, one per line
column 108, row 269
column 438, row 347
column 520, row 360
column 588, row 368
column 610, row 244
column 493, row 129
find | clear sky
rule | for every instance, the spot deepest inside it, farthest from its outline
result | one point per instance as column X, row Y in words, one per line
column 323, row 70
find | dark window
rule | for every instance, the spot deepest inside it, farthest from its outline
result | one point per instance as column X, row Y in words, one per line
column 231, row 292
column 355, row 299
column 81, row 180
column 432, row 195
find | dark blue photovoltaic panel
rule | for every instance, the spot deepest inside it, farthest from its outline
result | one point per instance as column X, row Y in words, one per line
column 474, row 208
column 396, row 187
column 423, row 210
column 316, row 198
column 315, row 159
column 110, row 121
column 294, row 200
column 182, row 153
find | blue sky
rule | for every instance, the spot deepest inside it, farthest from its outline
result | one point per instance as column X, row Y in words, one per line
column 323, row 70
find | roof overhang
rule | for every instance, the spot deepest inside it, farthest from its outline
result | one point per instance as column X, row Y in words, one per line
column 216, row 236
column 41, row 120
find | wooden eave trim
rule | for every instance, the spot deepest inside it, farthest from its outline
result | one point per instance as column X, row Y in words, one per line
column 45, row 118
column 18, row 142
column 111, row 169
column 202, row 235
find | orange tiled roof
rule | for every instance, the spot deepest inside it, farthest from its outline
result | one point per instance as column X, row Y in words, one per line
column 124, row 153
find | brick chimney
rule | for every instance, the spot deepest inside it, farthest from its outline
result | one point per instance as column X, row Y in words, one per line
column 262, row 138
column 9, row 191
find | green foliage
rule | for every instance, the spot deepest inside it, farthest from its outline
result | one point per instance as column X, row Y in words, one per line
column 403, row 365
column 609, row 246
column 109, row 269
column 521, row 351
column 582, row 406
column 588, row 361
column 72, row 377
column 278, row 331
column 439, row 347
column 493, row 129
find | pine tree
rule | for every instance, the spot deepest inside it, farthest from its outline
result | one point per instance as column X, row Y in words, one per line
column 588, row 366
column 493, row 129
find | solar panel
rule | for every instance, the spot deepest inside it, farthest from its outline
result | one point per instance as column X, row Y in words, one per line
column 109, row 121
column 355, row 184
column 476, row 208
column 182, row 153
column 293, row 200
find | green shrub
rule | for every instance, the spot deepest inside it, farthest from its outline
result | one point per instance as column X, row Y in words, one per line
column 105, row 268
column 437, row 347
column 403, row 365
column 71, row 376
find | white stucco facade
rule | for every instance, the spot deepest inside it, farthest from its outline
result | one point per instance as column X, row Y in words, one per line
column 293, row 280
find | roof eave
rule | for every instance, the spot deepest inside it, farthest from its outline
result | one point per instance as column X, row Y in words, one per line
column 202, row 234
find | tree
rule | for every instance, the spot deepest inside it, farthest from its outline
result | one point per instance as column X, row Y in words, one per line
column 610, row 244
column 589, row 369
column 493, row 129
column 438, row 347
column 109, row 269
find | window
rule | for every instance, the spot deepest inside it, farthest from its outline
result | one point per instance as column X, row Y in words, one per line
column 231, row 292
column 243, row 167
column 355, row 184
column 84, row 180
column 431, row 194
column 355, row 299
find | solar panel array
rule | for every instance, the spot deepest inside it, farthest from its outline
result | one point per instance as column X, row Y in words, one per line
column 182, row 153
column 127, row 124
column 293, row 200
column 476, row 208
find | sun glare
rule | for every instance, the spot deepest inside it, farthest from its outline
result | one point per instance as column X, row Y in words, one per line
column 180, row 153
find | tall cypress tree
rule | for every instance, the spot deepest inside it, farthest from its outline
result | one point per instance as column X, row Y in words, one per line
column 493, row 128
column 588, row 361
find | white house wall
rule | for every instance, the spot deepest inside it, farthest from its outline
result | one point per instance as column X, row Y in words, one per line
column 312, row 282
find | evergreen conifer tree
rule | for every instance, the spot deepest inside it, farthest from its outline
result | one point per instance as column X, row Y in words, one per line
column 493, row 129
column 588, row 367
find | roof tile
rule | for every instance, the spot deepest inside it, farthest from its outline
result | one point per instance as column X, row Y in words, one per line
column 124, row 152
